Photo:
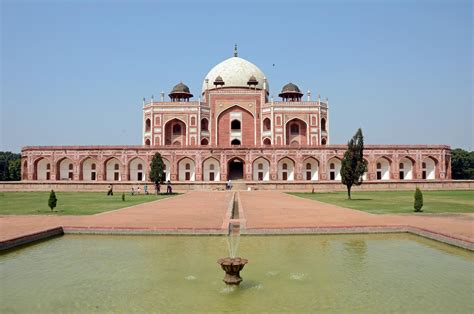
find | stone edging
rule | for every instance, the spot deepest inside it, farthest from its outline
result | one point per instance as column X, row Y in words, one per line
column 437, row 236
column 30, row 238
column 38, row 236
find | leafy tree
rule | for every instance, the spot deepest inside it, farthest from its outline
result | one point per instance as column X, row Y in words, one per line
column 353, row 164
column 14, row 169
column 52, row 202
column 123, row 196
column 462, row 164
column 157, row 168
column 9, row 166
column 418, row 200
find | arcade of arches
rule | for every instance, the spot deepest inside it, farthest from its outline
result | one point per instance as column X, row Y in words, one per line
column 219, row 167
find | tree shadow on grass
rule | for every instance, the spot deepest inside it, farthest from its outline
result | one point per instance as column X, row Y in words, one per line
column 361, row 199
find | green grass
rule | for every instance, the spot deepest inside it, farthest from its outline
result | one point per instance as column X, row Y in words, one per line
column 69, row 203
column 399, row 202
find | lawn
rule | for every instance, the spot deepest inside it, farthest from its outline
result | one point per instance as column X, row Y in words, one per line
column 69, row 203
column 399, row 202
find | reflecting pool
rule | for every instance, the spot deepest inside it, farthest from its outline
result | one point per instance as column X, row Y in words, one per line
column 179, row 274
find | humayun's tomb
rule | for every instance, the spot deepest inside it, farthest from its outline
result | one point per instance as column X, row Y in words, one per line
column 233, row 131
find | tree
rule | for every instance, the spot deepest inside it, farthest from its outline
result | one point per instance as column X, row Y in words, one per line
column 462, row 164
column 353, row 164
column 157, row 168
column 52, row 202
column 418, row 200
column 10, row 166
column 14, row 169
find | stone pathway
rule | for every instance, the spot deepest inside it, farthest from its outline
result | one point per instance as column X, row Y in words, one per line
column 260, row 211
column 198, row 211
column 276, row 210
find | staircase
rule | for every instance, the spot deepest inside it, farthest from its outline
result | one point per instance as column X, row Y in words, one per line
column 239, row 185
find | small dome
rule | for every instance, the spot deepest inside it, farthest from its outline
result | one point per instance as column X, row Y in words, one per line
column 180, row 92
column 181, row 88
column 291, row 88
column 219, row 81
column 252, row 81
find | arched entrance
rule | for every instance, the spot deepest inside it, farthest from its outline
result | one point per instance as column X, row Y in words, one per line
column 235, row 169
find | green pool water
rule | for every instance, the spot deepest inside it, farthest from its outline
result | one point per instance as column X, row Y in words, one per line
column 294, row 274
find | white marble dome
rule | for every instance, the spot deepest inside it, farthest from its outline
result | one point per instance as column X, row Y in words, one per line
column 235, row 72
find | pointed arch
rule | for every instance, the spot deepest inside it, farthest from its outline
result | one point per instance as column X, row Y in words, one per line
column 112, row 169
column 186, row 169
column 334, row 168
column 211, row 169
column 406, row 168
column 429, row 168
column 267, row 125
column 88, row 169
column 286, row 169
column 65, row 169
column 311, row 169
column 261, row 169
column 42, row 169
column 383, row 168
column 175, row 132
column 296, row 131
column 136, row 169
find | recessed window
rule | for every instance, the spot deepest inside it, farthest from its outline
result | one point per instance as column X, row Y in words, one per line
column 235, row 125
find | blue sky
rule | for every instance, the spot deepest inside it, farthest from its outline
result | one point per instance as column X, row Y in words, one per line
column 74, row 72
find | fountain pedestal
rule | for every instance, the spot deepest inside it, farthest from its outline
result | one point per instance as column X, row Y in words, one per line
column 232, row 267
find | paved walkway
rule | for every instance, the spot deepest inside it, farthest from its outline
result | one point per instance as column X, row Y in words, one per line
column 201, row 212
column 275, row 210
column 193, row 210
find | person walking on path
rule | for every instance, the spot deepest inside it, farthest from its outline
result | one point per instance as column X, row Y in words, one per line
column 229, row 184
column 169, row 188
column 133, row 191
column 145, row 189
column 110, row 190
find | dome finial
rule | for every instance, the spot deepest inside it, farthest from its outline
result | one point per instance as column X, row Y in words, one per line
column 235, row 50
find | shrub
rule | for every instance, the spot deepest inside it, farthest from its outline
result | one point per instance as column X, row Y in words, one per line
column 52, row 202
column 123, row 196
column 418, row 200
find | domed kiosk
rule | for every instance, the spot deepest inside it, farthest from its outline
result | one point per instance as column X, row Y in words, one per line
column 180, row 92
column 290, row 92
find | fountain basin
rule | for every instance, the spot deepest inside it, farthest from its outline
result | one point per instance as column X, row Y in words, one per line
column 232, row 267
column 376, row 273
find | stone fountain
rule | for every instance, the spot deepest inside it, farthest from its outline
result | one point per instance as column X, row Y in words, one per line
column 232, row 267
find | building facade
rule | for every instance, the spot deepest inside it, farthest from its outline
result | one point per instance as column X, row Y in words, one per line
column 233, row 131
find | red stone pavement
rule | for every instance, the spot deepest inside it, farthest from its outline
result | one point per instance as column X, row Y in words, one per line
column 260, row 210
column 193, row 210
column 273, row 209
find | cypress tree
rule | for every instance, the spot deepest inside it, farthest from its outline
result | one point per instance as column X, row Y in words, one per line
column 353, row 164
column 418, row 200
column 157, row 174
column 52, row 200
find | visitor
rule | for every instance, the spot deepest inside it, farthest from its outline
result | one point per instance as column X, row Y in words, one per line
column 169, row 189
column 157, row 188
column 145, row 189
column 110, row 190
column 133, row 191
column 229, row 184
column 138, row 190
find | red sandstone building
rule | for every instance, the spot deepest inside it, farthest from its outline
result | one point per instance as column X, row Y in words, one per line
column 233, row 131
